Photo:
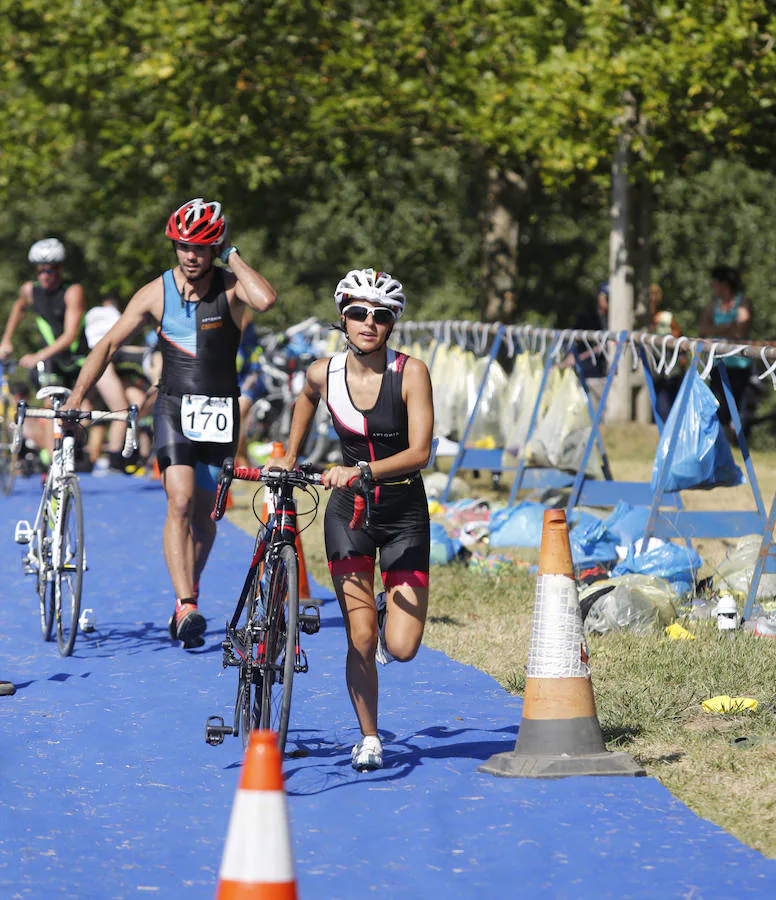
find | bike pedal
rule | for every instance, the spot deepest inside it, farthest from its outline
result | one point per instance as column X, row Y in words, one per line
column 215, row 730
column 300, row 663
column 310, row 620
column 23, row 532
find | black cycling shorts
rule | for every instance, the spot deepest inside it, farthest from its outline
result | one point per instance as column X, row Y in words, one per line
column 399, row 529
column 173, row 448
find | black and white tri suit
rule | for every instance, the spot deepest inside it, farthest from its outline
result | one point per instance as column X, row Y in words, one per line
column 198, row 342
column 399, row 526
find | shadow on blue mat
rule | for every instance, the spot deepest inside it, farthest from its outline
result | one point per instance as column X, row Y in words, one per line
column 401, row 756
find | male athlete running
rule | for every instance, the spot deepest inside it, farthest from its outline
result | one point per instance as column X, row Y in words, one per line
column 199, row 308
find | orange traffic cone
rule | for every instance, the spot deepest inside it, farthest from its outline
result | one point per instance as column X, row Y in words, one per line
column 257, row 863
column 559, row 734
column 156, row 474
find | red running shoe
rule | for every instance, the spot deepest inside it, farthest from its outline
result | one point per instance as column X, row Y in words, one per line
column 187, row 625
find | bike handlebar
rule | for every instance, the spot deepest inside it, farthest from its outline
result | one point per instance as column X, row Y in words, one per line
column 271, row 477
column 75, row 417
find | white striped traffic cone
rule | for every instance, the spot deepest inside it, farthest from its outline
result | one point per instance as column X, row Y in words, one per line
column 559, row 734
column 257, row 862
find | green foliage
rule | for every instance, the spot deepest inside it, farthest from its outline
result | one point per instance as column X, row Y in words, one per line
column 346, row 132
column 725, row 214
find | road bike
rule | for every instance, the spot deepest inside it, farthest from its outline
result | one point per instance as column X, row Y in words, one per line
column 7, row 430
column 56, row 553
column 263, row 636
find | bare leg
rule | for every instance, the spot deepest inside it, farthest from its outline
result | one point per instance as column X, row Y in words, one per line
column 405, row 619
column 203, row 529
column 356, row 599
column 177, row 540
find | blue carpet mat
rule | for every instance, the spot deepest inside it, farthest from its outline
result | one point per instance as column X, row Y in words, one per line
column 108, row 790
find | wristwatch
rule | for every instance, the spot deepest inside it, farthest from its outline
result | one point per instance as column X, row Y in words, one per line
column 366, row 472
column 225, row 254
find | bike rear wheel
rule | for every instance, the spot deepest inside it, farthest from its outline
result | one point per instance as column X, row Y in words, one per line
column 68, row 574
column 7, row 458
column 277, row 675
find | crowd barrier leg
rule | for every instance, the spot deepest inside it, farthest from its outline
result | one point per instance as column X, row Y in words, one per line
column 689, row 525
column 610, row 491
column 467, row 458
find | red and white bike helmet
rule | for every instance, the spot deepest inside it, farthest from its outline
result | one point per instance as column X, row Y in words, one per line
column 197, row 222
column 367, row 284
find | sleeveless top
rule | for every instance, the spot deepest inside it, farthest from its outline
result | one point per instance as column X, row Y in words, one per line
column 725, row 317
column 367, row 435
column 49, row 308
column 199, row 342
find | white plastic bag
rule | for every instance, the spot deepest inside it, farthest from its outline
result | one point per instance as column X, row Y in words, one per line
column 640, row 603
column 561, row 436
column 736, row 570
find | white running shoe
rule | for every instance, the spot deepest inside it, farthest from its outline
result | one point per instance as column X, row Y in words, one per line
column 382, row 654
column 367, row 754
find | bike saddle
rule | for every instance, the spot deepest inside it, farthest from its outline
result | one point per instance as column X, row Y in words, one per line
column 53, row 390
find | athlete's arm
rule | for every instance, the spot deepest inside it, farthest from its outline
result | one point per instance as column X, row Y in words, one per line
column 17, row 312
column 252, row 288
column 304, row 410
column 417, row 394
column 75, row 305
column 147, row 302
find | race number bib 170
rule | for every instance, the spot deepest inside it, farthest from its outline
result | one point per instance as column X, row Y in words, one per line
column 207, row 418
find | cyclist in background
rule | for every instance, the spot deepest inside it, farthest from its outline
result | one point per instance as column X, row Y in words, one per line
column 59, row 312
column 199, row 308
column 59, row 307
column 382, row 407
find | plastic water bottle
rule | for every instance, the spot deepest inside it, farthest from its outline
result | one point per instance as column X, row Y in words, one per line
column 87, row 622
column 727, row 612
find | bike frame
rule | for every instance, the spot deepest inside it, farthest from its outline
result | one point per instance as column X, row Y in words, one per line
column 255, row 647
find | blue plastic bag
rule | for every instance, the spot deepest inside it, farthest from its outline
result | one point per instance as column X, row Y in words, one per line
column 443, row 548
column 677, row 565
column 702, row 455
column 627, row 523
column 517, row 526
column 592, row 544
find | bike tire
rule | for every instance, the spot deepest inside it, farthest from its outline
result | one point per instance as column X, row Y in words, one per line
column 245, row 709
column 7, row 458
column 68, row 574
column 44, row 584
column 277, row 675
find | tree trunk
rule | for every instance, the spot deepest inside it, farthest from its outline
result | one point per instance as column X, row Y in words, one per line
column 499, row 244
column 620, row 274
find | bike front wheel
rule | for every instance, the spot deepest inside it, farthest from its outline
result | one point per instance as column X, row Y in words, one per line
column 7, row 458
column 277, row 675
column 45, row 585
column 69, row 564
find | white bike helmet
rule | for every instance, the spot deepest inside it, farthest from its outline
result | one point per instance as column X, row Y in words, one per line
column 366, row 284
column 49, row 250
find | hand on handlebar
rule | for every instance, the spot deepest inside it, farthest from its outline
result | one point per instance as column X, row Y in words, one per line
column 340, row 476
column 286, row 462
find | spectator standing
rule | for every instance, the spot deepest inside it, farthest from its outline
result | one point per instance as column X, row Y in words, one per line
column 728, row 316
column 663, row 323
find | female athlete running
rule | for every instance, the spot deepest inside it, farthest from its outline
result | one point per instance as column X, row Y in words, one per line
column 383, row 412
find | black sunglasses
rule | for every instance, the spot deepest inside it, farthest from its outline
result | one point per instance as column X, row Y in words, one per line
column 45, row 270
column 381, row 315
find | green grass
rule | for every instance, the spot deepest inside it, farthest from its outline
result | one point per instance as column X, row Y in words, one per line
column 648, row 689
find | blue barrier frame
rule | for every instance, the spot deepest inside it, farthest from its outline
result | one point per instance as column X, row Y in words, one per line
column 474, row 457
